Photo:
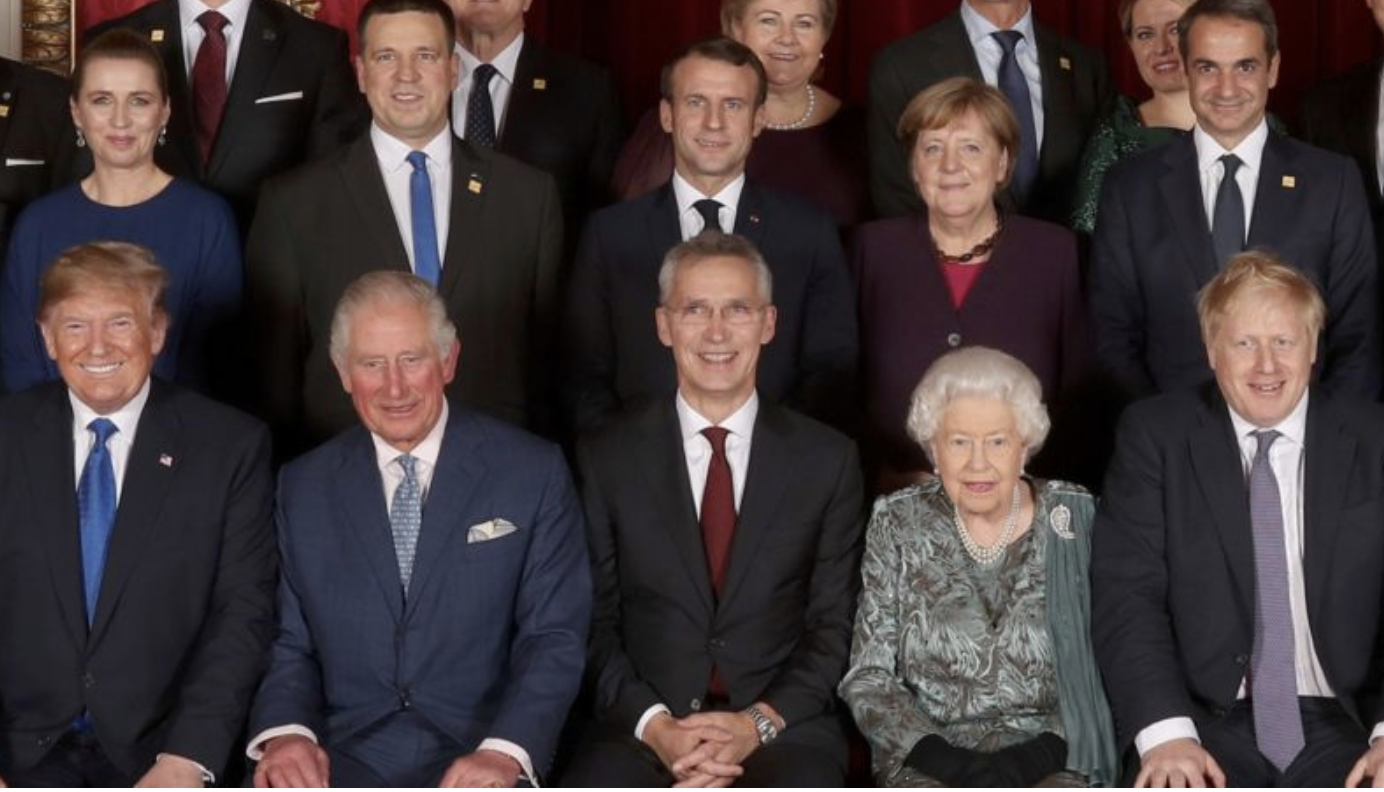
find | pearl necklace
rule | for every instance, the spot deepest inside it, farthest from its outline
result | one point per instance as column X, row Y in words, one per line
column 989, row 555
column 801, row 122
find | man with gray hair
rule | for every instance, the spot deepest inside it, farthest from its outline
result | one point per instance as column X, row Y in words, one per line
column 435, row 599
column 725, row 538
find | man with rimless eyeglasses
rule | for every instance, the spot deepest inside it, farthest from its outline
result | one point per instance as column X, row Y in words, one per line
column 724, row 534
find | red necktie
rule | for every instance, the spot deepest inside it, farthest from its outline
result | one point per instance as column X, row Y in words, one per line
column 718, row 507
column 209, row 82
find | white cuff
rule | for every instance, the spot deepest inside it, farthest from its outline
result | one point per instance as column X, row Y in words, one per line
column 1377, row 733
column 1166, row 730
column 514, row 752
column 657, row 709
column 255, row 750
column 208, row 777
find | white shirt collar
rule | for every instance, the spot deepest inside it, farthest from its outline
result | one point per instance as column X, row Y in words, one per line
column 1250, row 150
column 506, row 63
column 392, row 152
column 1293, row 426
column 235, row 12
column 686, row 194
column 126, row 419
column 739, row 423
column 426, row 452
column 978, row 28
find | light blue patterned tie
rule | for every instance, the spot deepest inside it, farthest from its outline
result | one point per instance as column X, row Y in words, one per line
column 1014, row 85
column 1273, row 676
column 426, row 264
column 406, row 517
column 96, row 511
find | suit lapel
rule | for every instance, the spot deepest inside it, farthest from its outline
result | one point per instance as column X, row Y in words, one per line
column 749, row 215
column 766, row 483
column 523, row 114
column 1180, row 189
column 466, row 227
column 1059, row 101
column 149, row 473
column 461, row 473
column 165, row 32
column 52, row 483
column 359, row 171
column 663, row 228
column 1329, row 456
column 956, row 55
column 1275, row 198
column 665, row 466
column 1215, row 457
column 259, row 49
column 10, row 100
column 361, row 506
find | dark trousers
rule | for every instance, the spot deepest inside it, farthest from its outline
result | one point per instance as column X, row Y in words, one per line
column 76, row 760
column 403, row 750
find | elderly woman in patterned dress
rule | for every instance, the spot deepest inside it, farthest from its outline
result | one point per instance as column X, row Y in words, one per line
column 971, row 663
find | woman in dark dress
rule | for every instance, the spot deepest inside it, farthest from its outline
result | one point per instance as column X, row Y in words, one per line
column 811, row 146
column 964, row 274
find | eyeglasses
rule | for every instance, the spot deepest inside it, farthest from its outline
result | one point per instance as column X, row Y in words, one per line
column 700, row 313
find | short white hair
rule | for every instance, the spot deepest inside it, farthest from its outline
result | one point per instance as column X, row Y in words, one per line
column 381, row 287
column 980, row 373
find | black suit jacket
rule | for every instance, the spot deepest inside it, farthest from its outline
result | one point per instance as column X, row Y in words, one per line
column 780, row 630
column 1152, row 252
column 1076, row 92
column 186, row 608
column 291, row 99
column 564, row 117
column 1343, row 115
column 1173, row 559
column 37, row 138
column 326, row 224
column 615, row 360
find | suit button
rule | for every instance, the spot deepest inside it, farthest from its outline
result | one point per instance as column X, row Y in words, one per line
column 1241, row 659
column 404, row 701
column 716, row 643
column 44, row 742
column 695, row 705
column 1218, row 712
column 953, row 340
column 88, row 681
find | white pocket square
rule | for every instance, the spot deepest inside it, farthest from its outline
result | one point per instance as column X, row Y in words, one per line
column 16, row 162
column 490, row 529
column 291, row 96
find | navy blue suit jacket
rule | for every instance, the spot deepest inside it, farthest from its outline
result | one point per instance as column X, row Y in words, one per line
column 492, row 638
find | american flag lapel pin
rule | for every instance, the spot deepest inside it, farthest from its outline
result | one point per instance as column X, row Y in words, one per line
column 166, row 460
column 754, row 219
column 1289, row 182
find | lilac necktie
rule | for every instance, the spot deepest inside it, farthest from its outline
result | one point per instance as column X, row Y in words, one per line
column 1273, row 676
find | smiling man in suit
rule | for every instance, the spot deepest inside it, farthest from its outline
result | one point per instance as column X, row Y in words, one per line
column 1057, row 86
column 36, row 138
column 485, row 229
column 255, row 87
column 136, row 548
column 435, row 595
column 1170, row 217
column 1238, row 563
column 713, row 107
column 725, row 542
column 540, row 106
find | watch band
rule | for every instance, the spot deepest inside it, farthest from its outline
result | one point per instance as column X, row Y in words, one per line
column 763, row 724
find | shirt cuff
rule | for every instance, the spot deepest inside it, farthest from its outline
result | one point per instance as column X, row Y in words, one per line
column 208, row 777
column 1377, row 733
column 1166, row 730
column 657, row 709
column 255, row 750
column 514, row 752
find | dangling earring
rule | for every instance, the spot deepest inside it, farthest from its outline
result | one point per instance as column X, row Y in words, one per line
column 163, row 136
column 81, row 139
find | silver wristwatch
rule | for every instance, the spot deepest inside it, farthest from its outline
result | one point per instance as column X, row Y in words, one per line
column 763, row 724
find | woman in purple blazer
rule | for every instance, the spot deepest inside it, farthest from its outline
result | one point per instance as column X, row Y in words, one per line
column 967, row 273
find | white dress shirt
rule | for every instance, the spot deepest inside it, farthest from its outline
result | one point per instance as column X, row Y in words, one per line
column 126, row 420
column 235, row 12
column 392, row 155
column 391, row 476
column 690, row 220
column 696, row 450
column 989, row 52
column 1211, row 170
column 506, row 64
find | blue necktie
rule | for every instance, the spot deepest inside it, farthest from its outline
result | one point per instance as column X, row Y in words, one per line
column 1014, row 85
column 1228, row 215
column 480, row 113
column 406, row 517
column 426, row 264
column 1273, row 669
column 96, row 510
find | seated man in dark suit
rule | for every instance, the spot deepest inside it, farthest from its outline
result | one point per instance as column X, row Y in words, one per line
column 549, row 109
column 36, row 138
column 1057, row 86
column 1169, row 218
column 483, row 228
column 1238, row 561
column 255, row 88
column 136, row 548
column 435, row 595
column 713, row 106
column 716, row 650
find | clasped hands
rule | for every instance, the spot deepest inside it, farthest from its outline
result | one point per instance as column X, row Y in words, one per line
column 705, row 750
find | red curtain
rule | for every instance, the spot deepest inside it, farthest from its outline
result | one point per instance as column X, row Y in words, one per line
column 633, row 37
